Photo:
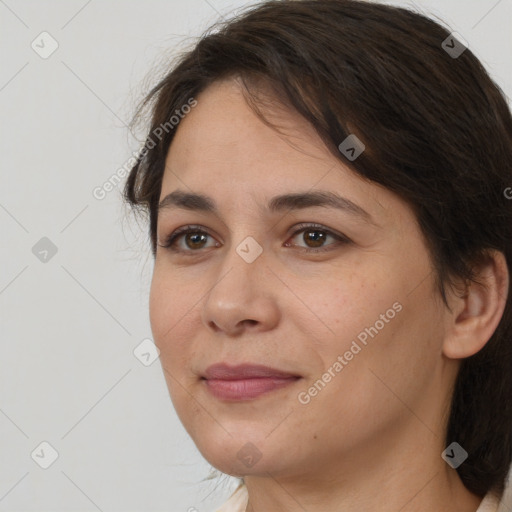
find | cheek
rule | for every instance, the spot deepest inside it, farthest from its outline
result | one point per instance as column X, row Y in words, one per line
column 355, row 304
column 168, row 310
column 170, row 300
column 374, row 323
column 160, row 309
column 399, row 361
column 169, row 327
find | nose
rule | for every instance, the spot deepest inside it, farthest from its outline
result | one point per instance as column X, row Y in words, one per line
column 243, row 295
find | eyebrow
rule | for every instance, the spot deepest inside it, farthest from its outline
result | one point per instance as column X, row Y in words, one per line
column 295, row 201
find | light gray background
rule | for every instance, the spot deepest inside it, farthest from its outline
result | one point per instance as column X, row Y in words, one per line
column 69, row 326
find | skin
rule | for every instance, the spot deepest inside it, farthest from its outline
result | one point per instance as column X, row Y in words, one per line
column 371, row 439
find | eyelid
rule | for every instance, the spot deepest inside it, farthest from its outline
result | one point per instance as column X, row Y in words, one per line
column 302, row 226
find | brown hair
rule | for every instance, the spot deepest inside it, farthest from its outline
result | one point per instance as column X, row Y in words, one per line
column 437, row 132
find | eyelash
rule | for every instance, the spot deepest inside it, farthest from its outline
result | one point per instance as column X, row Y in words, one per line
column 170, row 241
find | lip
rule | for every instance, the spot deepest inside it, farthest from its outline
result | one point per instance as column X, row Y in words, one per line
column 223, row 371
column 245, row 381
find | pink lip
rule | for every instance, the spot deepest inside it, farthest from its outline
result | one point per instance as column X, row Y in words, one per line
column 244, row 382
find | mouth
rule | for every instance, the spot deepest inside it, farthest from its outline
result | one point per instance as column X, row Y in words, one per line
column 245, row 382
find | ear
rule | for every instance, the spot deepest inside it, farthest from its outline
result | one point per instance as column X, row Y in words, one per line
column 476, row 315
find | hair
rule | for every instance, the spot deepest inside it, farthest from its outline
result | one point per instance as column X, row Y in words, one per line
column 437, row 131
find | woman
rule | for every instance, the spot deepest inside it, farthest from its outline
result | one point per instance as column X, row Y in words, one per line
column 326, row 187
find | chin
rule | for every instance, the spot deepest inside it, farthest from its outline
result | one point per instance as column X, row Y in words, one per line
column 238, row 455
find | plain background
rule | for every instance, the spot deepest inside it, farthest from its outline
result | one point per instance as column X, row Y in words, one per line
column 70, row 325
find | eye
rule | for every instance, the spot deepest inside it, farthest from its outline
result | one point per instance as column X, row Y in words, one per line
column 195, row 238
column 316, row 235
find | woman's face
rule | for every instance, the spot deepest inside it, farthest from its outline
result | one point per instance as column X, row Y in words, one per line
column 358, row 321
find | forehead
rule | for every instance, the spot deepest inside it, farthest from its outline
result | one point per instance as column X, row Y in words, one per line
column 223, row 140
column 224, row 125
column 222, row 149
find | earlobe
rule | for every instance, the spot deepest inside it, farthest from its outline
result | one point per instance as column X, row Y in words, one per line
column 478, row 312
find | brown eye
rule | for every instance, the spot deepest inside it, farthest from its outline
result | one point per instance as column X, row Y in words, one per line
column 194, row 239
column 315, row 236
